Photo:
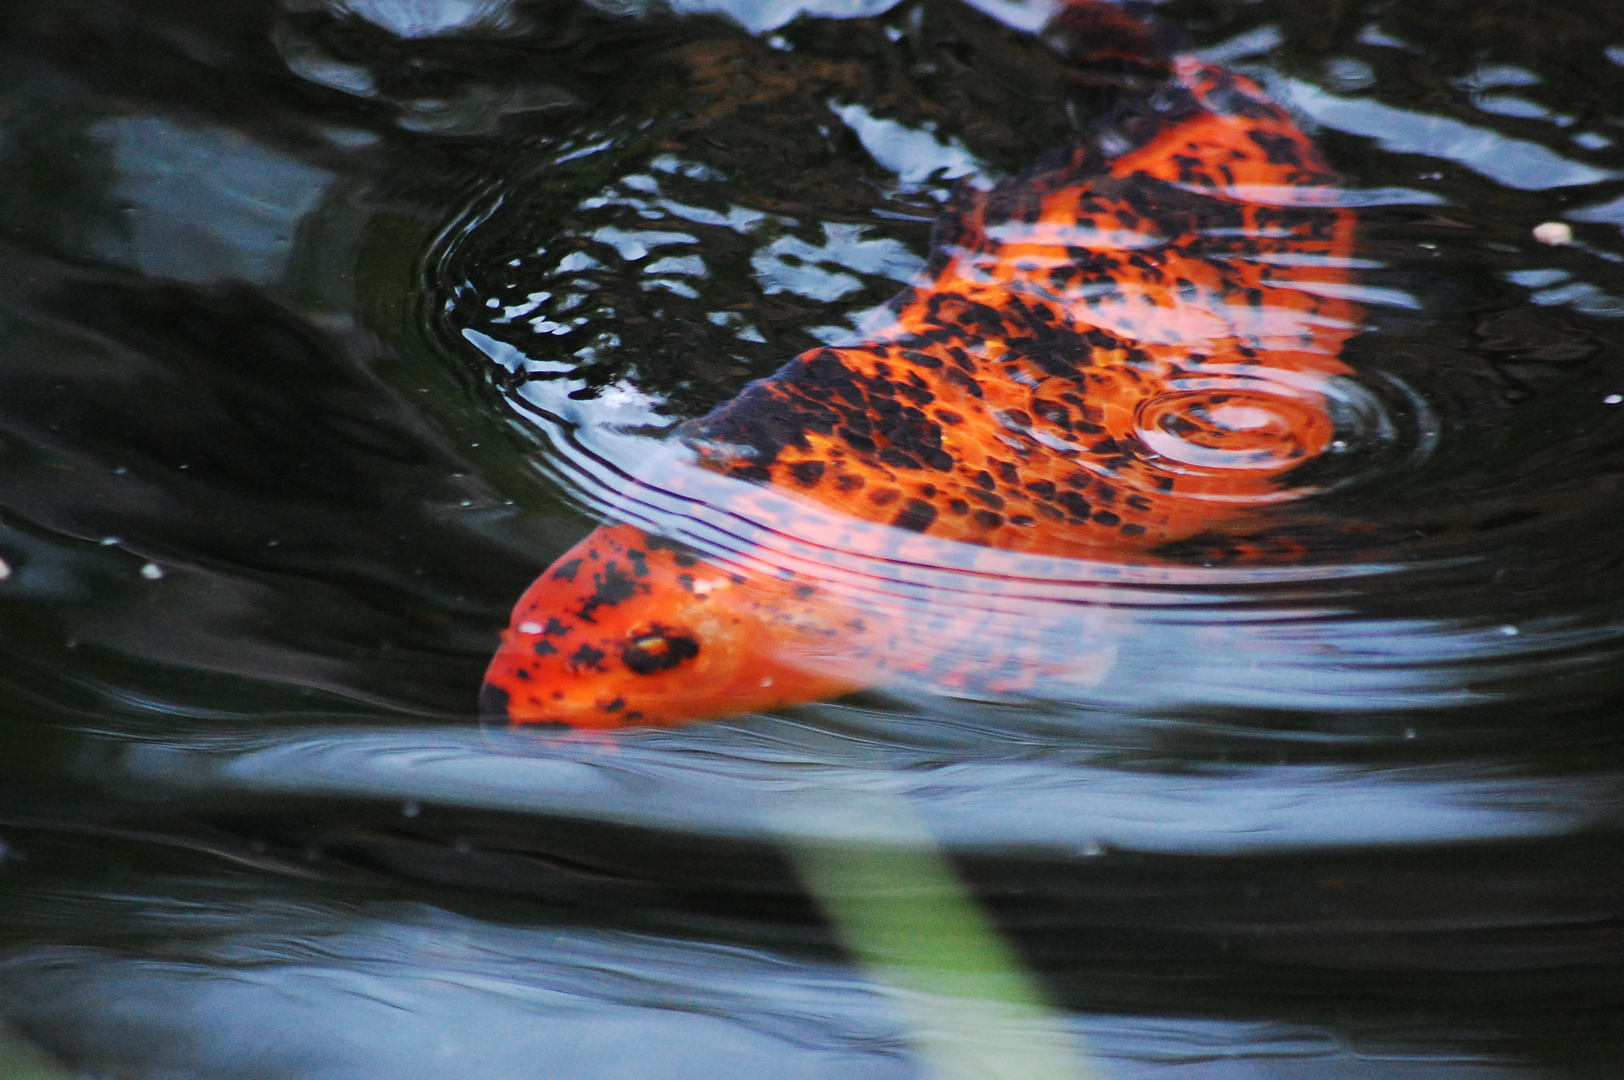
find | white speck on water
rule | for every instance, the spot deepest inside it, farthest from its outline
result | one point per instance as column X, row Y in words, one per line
column 1554, row 232
column 1509, row 631
column 152, row 571
column 1612, row 399
column 109, row 541
column 1409, row 733
column 1092, row 850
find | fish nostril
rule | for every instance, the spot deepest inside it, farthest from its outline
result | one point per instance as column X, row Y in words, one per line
column 493, row 703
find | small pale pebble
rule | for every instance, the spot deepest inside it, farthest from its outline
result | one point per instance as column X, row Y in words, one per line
column 1553, row 232
column 152, row 571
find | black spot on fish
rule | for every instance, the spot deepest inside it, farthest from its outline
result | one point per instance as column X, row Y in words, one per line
column 916, row 516
column 587, row 658
column 612, row 586
column 807, row 473
column 897, row 459
column 1279, row 149
column 994, row 501
column 856, row 441
column 1074, row 504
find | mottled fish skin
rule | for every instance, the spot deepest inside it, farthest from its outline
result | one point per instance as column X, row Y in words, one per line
column 1133, row 286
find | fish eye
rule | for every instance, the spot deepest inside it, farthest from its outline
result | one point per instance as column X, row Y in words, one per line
column 658, row 649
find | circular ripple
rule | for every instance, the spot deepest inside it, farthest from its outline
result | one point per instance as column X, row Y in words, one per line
column 1261, row 421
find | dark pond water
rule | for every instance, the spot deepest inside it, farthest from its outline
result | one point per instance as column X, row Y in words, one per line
column 325, row 324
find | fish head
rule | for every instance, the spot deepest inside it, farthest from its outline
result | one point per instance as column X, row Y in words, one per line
column 629, row 629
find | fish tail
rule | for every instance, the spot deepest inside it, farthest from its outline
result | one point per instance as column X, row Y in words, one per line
column 1138, row 87
column 1114, row 47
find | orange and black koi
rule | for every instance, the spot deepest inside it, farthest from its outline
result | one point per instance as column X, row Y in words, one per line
column 1122, row 348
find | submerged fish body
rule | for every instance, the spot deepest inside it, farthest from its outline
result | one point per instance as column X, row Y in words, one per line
column 1125, row 347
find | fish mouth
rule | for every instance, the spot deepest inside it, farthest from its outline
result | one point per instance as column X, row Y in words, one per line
column 493, row 704
column 493, row 708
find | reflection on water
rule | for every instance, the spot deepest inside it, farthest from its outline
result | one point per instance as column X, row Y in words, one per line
column 326, row 324
column 204, row 205
column 412, row 992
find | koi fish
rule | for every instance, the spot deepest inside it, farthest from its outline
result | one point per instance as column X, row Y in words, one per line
column 1125, row 347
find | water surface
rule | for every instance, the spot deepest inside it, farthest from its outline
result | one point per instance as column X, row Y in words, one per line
column 327, row 323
